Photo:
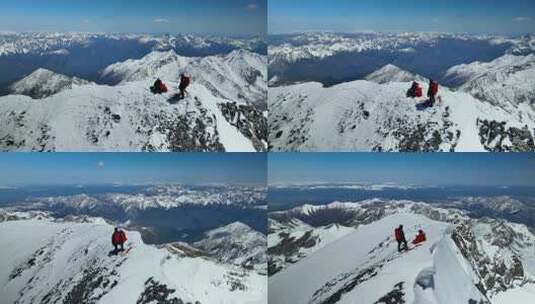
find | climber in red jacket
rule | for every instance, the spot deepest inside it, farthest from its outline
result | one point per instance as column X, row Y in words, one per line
column 184, row 83
column 432, row 92
column 420, row 237
column 400, row 238
column 118, row 239
column 415, row 90
column 159, row 87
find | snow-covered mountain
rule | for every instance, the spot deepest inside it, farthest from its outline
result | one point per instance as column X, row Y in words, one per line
column 43, row 43
column 240, row 75
column 236, row 244
column 464, row 260
column 391, row 73
column 507, row 82
column 160, row 197
column 43, row 83
column 289, row 49
column 294, row 240
column 366, row 116
column 223, row 112
column 70, row 262
column 321, row 98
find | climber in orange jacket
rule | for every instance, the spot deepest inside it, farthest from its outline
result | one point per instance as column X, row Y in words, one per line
column 420, row 237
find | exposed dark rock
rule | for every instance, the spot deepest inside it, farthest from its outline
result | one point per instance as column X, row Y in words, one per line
column 249, row 121
column 395, row 296
column 496, row 136
column 156, row 292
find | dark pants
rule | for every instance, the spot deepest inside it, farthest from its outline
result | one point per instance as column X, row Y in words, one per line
column 182, row 93
column 405, row 247
column 117, row 245
column 432, row 100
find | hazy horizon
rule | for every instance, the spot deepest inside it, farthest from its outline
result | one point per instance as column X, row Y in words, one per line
column 21, row 169
column 231, row 17
column 468, row 16
column 425, row 169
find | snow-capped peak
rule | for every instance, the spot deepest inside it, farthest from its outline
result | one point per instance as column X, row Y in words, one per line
column 43, row 83
column 238, row 244
column 507, row 82
column 391, row 73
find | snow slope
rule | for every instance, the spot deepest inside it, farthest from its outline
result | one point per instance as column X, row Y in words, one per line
column 290, row 242
column 366, row 116
column 507, row 82
column 486, row 260
column 43, row 83
column 68, row 262
column 127, row 117
column 370, row 247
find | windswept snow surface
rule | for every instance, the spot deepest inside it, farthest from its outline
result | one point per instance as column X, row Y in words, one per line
column 366, row 116
column 54, row 261
column 222, row 112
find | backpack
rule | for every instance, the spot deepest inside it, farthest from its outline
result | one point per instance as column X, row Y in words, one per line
column 185, row 81
column 163, row 88
column 397, row 233
column 418, row 92
column 434, row 88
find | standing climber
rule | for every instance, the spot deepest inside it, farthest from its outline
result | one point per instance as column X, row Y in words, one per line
column 400, row 238
column 420, row 237
column 184, row 83
column 118, row 239
column 432, row 92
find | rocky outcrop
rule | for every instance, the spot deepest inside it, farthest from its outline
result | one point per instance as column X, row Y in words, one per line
column 249, row 121
column 496, row 136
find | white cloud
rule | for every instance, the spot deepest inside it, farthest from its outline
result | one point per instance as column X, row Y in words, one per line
column 522, row 19
column 252, row 6
column 160, row 20
column 100, row 164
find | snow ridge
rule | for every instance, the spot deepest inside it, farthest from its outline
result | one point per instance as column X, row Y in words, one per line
column 464, row 260
column 366, row 116
column 72, row 262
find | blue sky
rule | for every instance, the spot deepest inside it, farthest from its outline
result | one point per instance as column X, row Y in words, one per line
column 19, row 169
column 474, row 16
column 234, row 17
column 503, row 169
